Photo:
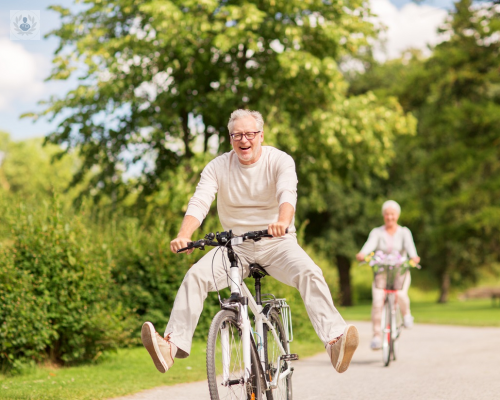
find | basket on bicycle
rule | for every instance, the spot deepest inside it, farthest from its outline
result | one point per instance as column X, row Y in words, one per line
column 390, row 270
column 390, row 277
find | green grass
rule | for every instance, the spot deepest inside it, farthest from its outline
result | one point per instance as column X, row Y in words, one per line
column 466, row 313
column 125, row 372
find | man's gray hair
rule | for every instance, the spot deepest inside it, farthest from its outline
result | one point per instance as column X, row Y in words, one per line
column 242, row 114
column 391, row 204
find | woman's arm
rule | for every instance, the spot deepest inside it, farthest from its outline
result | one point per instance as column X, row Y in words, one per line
column 370, row 245
column 409, row 245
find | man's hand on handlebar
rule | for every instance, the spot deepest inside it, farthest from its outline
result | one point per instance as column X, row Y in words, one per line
column 277, row 229
column 180, row 243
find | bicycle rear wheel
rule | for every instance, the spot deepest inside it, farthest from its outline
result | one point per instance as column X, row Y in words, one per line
column 283, row 391
column 225, row 367
column 386, row 332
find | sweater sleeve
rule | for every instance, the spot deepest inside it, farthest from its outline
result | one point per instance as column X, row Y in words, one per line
column 286, row 182
column 372, row 242
column 199, row 205
column 409, row 244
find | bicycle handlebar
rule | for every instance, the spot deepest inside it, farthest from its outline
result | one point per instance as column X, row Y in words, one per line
column 223, row 238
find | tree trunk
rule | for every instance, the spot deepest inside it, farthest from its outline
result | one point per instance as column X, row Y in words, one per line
column 186, row 138
column 445, row 287
column 344, row 268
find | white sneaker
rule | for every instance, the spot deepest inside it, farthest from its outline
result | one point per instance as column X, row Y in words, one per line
column 376, row 343
column 408, row 321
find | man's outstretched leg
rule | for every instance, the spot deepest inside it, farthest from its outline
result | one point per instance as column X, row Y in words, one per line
column 188, row 305
column 290, row 264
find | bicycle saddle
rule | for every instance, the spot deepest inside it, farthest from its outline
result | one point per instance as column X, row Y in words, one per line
column 257, row 271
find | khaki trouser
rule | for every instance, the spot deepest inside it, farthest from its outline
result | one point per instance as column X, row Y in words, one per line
column 378, row 304
column 283, row 259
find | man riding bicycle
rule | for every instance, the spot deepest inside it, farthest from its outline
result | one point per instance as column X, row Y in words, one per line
column 256, row 189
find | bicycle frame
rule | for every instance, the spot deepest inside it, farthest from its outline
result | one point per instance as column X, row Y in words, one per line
column 394, row 310
column 241, row 298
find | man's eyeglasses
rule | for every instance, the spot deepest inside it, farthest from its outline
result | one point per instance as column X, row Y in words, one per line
column 249, row 135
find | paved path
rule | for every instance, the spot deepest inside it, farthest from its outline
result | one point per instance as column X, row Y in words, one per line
column 435, row 362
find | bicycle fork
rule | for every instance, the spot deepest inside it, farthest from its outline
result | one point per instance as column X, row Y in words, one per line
column 237, row 297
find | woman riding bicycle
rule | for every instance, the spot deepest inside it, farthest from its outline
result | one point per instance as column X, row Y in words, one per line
column 390, row 238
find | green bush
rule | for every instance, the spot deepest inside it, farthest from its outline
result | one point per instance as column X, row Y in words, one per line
column 147, row 274
column 55, row 289
column 73, row 285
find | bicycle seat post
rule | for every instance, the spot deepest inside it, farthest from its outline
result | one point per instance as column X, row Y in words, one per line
column 258, row 298
column 257, row 273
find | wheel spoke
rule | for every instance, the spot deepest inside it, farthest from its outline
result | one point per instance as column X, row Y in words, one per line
column 273, row 366
column 225, row 365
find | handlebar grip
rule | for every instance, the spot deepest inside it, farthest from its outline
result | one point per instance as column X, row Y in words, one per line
column 265, row 232
column 189, row 247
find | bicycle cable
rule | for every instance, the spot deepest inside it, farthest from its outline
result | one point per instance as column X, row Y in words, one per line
column 213, row 274
column 224, row 264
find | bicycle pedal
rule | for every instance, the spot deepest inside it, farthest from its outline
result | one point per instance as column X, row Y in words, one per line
column 290, row 357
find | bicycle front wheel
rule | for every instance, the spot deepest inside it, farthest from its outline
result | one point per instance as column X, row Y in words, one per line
column 397, row 324
column 225, row 366
column 283, row 391
column 386, row 323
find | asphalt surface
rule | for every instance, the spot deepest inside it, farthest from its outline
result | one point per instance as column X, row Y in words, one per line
column 435, row 362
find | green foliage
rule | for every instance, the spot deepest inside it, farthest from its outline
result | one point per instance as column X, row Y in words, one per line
column 28, row 168
column 54, row 288
column 156, row 67
column 153, row 65
column 147, row 273
column 447, row 176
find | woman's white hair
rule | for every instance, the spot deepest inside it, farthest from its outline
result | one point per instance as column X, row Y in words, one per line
column 391, row 204
column 242, row 114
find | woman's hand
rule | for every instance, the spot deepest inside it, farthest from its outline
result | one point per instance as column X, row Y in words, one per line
column 360, row 257
column 416, row 259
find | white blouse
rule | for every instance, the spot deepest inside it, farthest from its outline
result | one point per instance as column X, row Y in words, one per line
column 401, row 241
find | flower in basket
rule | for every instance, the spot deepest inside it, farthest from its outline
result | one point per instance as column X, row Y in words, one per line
column 380, row 260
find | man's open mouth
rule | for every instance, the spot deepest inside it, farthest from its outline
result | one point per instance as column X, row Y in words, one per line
column 245, row 148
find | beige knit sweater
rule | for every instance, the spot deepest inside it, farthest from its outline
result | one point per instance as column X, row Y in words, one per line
column 248, row 196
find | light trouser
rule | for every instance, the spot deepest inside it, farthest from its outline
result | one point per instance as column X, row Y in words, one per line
column 378, row 304
column 283, row 259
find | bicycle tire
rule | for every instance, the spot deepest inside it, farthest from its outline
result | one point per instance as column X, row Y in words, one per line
column 396, row 331
column 271, row 350
column 253, row 390
column 386, row 323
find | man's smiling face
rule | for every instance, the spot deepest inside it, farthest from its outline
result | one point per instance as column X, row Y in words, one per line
column 248, row 151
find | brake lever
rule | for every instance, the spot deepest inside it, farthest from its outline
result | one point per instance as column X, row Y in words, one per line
column 189, row 247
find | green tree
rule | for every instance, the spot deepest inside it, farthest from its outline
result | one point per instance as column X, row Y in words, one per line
column 340, row 183
column 447, row 176
column 155, row 68
column 151, row 65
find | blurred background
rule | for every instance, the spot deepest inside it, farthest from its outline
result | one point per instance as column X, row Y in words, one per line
column 108, row 120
